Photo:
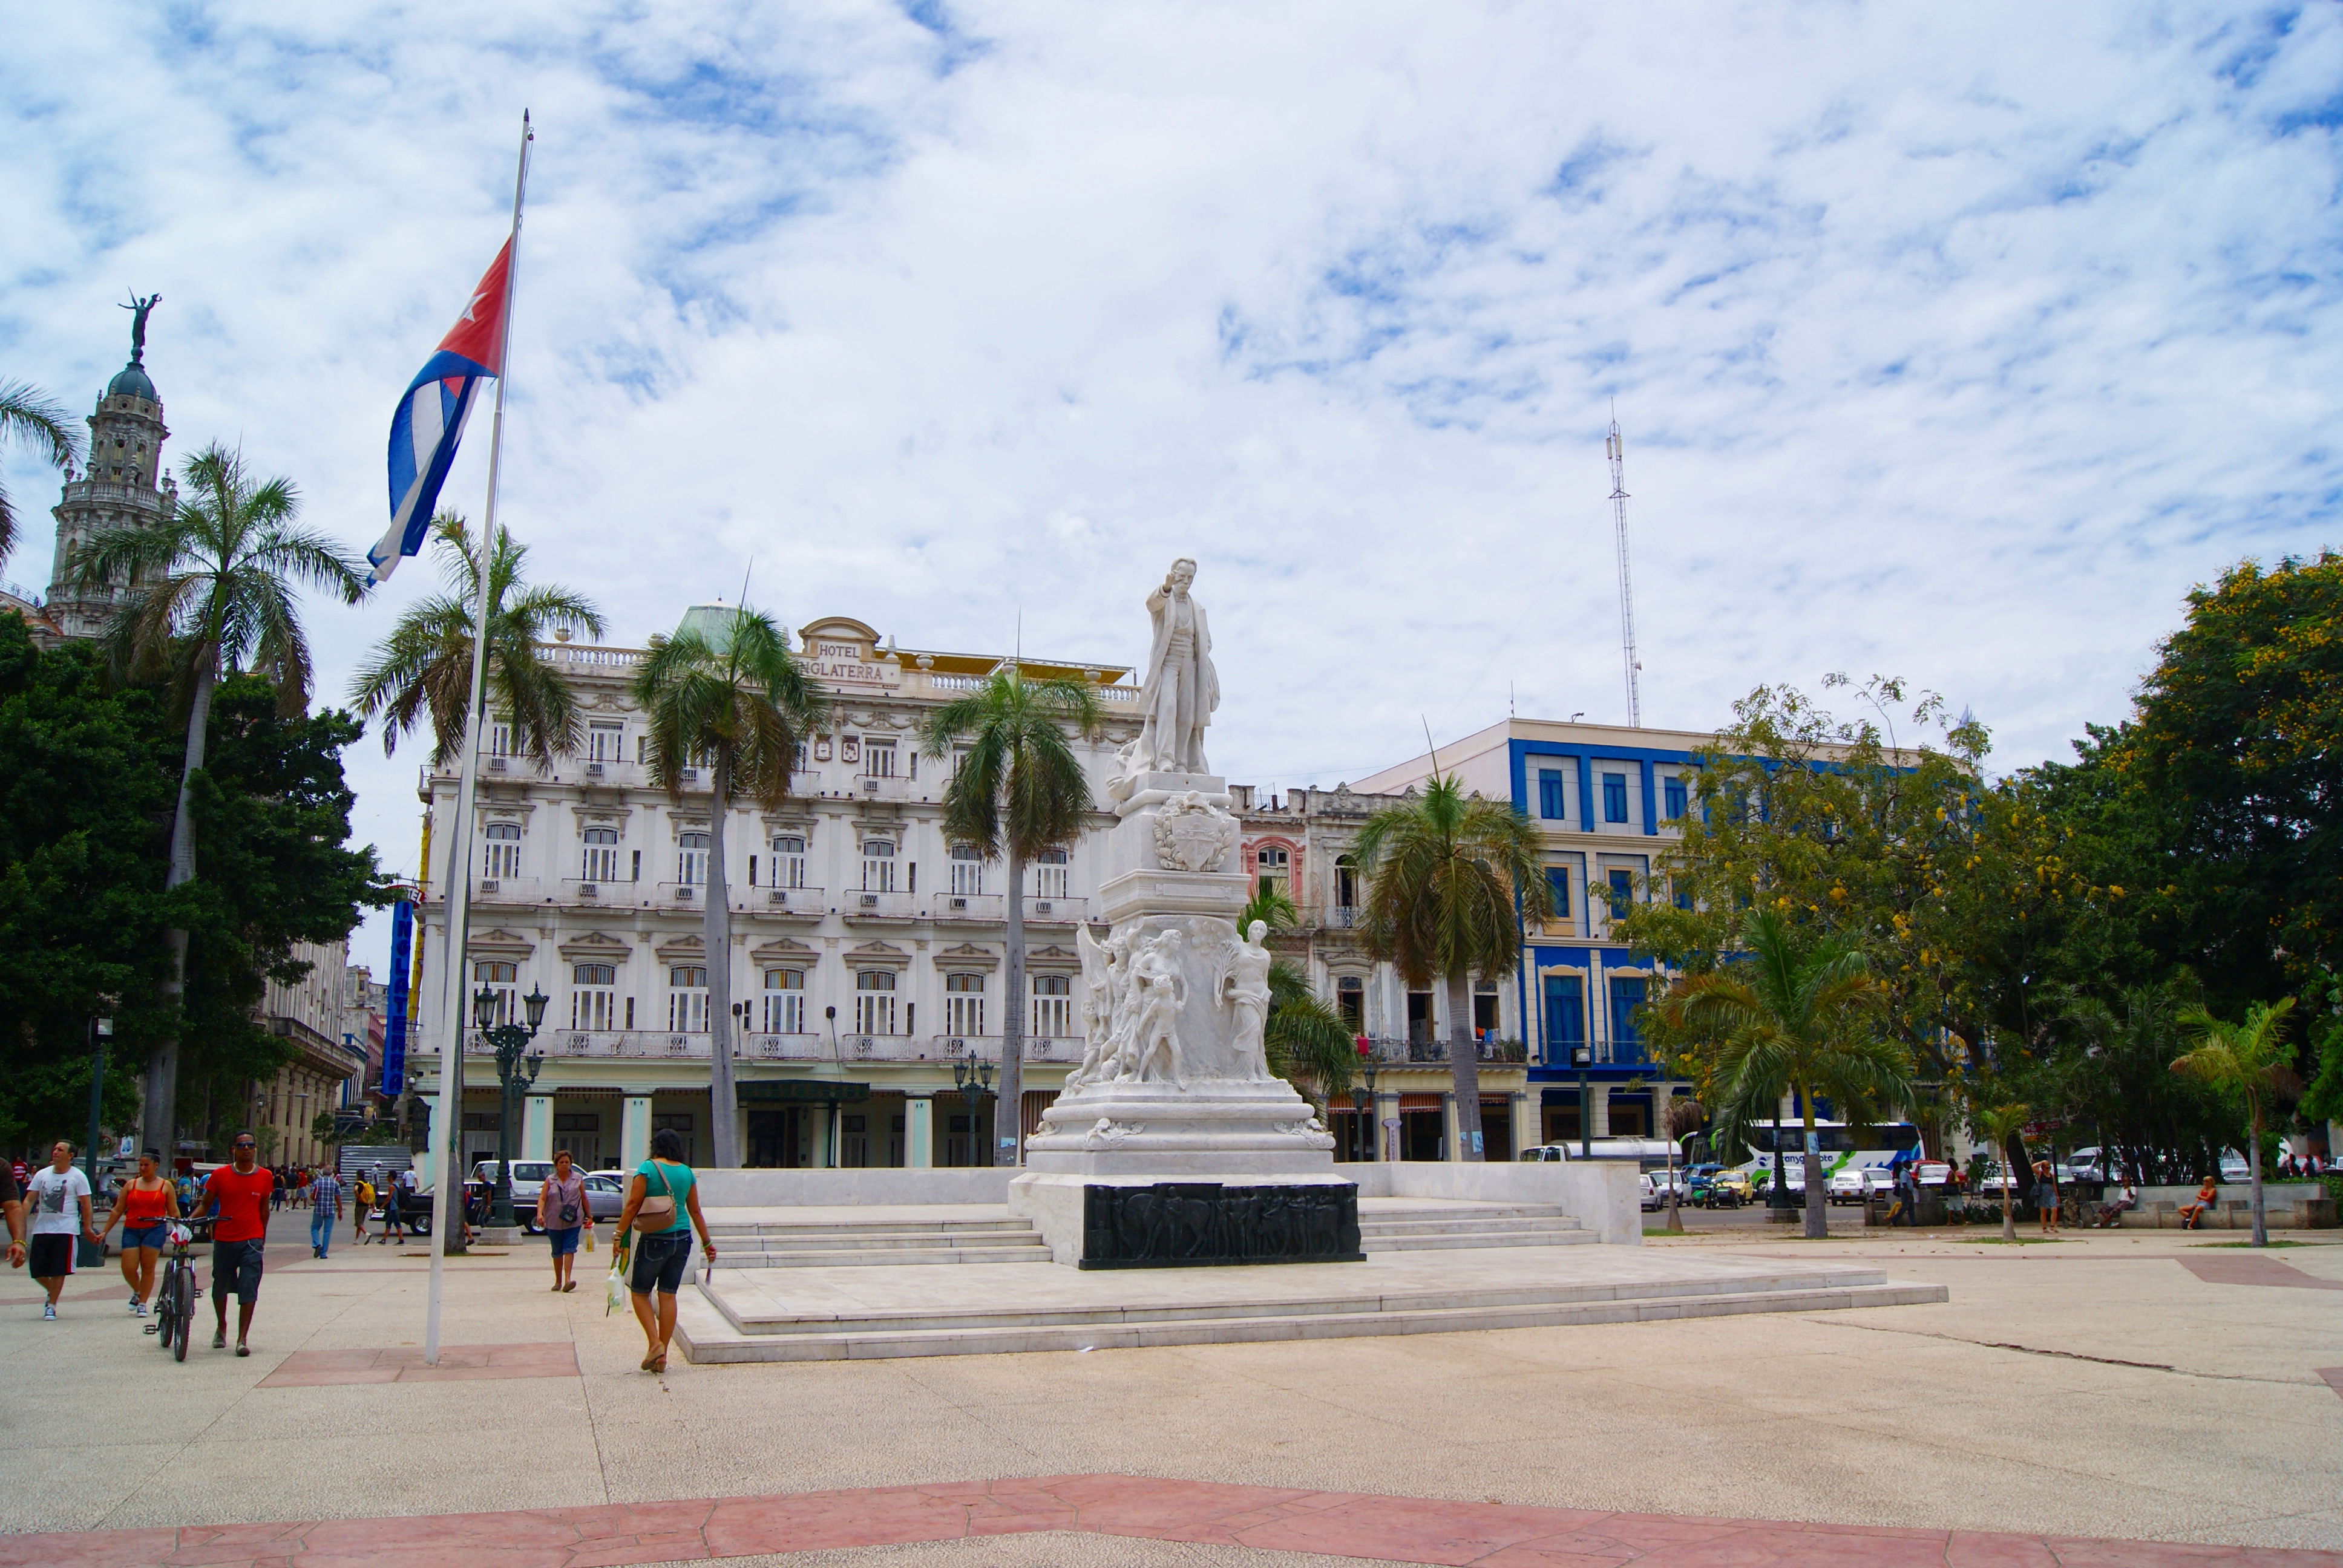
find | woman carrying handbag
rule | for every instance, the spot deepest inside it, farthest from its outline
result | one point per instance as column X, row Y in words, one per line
column 662, row 1208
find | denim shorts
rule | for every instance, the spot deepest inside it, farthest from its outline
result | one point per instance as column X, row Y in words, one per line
column 565, row 1242
column 151, row 1235
column 661, row 1260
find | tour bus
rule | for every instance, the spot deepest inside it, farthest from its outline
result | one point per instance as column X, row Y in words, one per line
column 1648, row 1153
column 1866, row 1146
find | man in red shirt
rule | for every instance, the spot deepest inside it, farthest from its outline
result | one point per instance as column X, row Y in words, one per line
column 239, row 1195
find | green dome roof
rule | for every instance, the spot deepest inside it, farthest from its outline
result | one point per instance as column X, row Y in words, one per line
column 131, row 381
column 711, row 621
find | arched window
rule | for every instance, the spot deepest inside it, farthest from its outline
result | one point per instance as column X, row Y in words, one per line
column 963, row 1004
column 1346, row 881
column 1053, row 1007
column 594, row 996
column 967, row 871
column 687, row 1000
column 691, row 858
column 1049, row 869
column 784, row 1002
column 601, row 857
column 1270, row 868
column 503, row 858
column 874, row 1001
column 788, row 860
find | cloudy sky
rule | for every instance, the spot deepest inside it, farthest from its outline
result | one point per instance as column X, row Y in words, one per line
column 1953, row 342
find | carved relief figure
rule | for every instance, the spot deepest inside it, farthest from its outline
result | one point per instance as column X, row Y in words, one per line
column 1102, row 986
column 1191, row 834
column 1241, row 979
column 1151, row 1051
column 1183, row 689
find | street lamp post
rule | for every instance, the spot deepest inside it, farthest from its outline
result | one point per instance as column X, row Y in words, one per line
column 972, row 1077
column 101, row 1030
column 509, row 1040
column 1363, row 1100
column 1583, row 1058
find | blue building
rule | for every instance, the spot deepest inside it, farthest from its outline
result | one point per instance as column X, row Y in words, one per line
column 1606, row 798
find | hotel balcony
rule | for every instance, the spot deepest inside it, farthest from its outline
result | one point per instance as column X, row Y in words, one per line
column 878, row 908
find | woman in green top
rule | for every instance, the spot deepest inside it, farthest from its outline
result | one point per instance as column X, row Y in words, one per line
column 662, row 1254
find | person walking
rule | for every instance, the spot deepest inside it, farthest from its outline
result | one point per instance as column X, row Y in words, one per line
column 396, row 1220
column 238, row 1193
column 276, row 1190
column 366, row 1202
column 144, row 1209
column 2046, row 1197
column 325, row 1209
column 59, row 1194
column 561, row 1214
column 12, row 1209
column 662, row 1208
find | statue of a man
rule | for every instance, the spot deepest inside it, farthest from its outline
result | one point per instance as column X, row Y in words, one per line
column 1183, row 689
column 140, row 309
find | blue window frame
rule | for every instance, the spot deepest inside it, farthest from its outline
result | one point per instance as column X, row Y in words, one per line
column 1614, row 797
column 1673, row 791
column 1623, row 890
column 1550, row 794
column 1558, row 879
column 1565, row 1015
column 1626, row 996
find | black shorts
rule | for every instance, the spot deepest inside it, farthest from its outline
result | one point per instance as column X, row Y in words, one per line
column 50, row 1257
column 661, row 1258
column 236, row 1270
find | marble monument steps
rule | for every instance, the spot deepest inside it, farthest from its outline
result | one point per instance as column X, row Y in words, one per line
column 737, row 1321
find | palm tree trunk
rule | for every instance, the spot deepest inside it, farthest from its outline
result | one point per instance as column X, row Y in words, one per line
column 2253, row 1165
column 2008, row 1201
column 162, row 1107
column 1817, row 1216
column 715, row 942
column 1464, row 1067
column 1008, row 1111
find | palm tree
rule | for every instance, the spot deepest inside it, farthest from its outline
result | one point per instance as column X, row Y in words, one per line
column 1800, row 1014
column 1451, row 877
column 1018, row 791
column 1683, row 1117
column 425, row 664
column 1306, row 1041
column 724, row 693
column 1997, row 1125
column 210, row 590
column 28, row 416
column 2246, row 1058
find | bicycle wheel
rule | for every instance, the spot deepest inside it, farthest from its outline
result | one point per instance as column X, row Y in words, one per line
column 163, row 1299
column 183, row 1314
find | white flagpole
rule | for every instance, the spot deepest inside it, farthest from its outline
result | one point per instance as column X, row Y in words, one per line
column 448, row 1207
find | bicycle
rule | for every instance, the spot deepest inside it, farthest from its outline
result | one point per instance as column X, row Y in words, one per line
column 175, row 1296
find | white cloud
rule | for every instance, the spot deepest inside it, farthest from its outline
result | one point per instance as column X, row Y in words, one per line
column 1952, row 343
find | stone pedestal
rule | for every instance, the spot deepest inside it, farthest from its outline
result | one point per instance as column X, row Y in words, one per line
column 1173, row 1145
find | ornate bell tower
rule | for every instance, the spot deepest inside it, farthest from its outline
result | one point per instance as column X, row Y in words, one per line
column 124, row 484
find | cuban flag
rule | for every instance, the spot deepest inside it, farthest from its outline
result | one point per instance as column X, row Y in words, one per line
column 430, row 418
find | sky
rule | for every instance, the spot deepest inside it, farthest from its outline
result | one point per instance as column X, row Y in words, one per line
column 1949, row 342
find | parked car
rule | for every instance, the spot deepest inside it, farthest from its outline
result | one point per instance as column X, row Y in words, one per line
column 2082, row 1165
column 1728, row 1188
column 606, row 1193
column 528, row 1176
column 2235, row 1172
column 1933, row 1173
column 1661, row 1180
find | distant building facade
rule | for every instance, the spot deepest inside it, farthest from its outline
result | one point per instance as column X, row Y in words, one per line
column 322, row 1071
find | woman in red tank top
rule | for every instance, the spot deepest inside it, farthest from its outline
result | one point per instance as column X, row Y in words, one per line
column 144, row 1209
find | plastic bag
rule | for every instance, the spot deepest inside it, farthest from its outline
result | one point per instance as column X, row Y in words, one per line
column 589, row 1238
column 614, row 1290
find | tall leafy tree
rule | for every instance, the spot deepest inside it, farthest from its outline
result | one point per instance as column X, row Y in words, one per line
column 211, row 589
column 1450, row 875
column 28, row 416
column 724, row 693
column 424, row 667
column 2250, row 1060
column 1018, row 792
column 1799, row 1012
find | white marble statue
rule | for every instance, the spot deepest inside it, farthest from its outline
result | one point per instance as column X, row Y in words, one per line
column 1183, row 689
column 1150, row 1047
column 1103, row 975
column 1242, row 982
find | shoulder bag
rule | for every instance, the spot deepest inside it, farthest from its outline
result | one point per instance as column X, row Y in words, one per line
column 656, row 1213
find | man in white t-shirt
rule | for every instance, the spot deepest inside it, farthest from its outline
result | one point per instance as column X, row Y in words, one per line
column 57, row 1196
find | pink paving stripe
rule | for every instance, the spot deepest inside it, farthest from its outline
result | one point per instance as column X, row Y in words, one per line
column 2251, row 1268
column 1336, row 1524
column 2334, row 1376
column 403, row 1363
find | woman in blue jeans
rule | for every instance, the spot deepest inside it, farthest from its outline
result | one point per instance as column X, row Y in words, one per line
column 662, row 1254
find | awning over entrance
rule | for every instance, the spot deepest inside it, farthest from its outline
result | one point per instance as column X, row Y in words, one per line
column 799, row 1091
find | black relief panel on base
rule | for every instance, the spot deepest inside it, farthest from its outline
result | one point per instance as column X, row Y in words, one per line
column 1205, row 1224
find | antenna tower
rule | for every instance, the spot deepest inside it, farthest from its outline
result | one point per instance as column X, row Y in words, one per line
column 1617, row 449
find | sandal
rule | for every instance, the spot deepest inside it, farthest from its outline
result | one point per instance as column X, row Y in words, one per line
column 659, row 1365
column 569, row 1285
column 654, row 1356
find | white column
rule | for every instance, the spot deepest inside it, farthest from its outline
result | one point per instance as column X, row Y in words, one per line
column 1662, row 1093
column 537, row 1128
column 1452, row 1146
column 1528, row 1123
column 1387, row 1125
column 635, row 1131
column 426, row 1168
column 919, row 1132
column 1601, row 1109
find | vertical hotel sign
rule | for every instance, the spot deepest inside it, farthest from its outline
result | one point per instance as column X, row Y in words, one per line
column 393, row 1024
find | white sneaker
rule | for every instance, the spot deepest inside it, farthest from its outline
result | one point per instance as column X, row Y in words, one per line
column 140, row 1308
column 136, row 1303
column 49, row 1312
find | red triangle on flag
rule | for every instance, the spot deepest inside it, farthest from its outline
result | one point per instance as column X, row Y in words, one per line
column 478, row 333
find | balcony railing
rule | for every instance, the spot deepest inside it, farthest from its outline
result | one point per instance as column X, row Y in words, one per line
column 810, row 901
column 878, row 906
column 1388, row 1050
column 1607, row 1052
column 1331, row 917
column 968, row 906
column 1055, row 911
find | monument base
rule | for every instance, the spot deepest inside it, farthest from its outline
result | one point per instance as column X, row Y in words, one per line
column 1171, row 1221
